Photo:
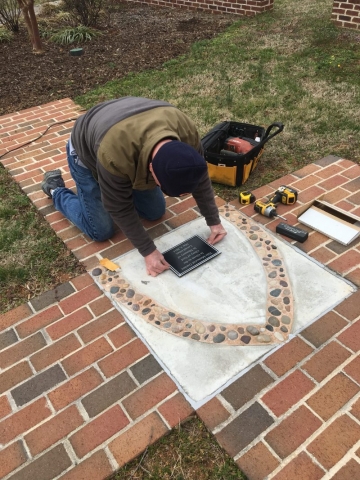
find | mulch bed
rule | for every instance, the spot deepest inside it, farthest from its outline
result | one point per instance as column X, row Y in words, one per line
column 139, row 37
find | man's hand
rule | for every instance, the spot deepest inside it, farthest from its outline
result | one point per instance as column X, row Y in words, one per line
column 218, row 232
column 155, row 263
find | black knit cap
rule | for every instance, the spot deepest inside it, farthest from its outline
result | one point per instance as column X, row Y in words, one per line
column 178, row 167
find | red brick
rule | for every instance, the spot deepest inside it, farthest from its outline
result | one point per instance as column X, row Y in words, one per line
column 335, row 441
column 213, row 413
column 310, row 194
column 355, row 410
column 100, row 306
column 300, row 468
column 288, row 179
column 326, row 361
column 353, row 369
column 98, row 431
column 53, row 430
column 15, row 315
column 75, row 388
column 82, row 281
column 100, row 326
column 73, row 302
column 117, row 250
column 182, row 219
column 293, row 431
column 184, row 205
column 23, row 420
column 69, row 323
column 176, row 410
column 149, row 395
column 86, row 356
column 134, row 441
column 349, row 308
column 121, row 335
column 5, row 407
column 96, row 467
column 354, row 277
column 351, row 337
column 17, row 374
column 335, row 195
column 314, row 240
column 21, row 350
column 329, row 171
column 39, row 321
column 288, row 392
column 323, row 255
column 333, row 396
column 333, row 182
column 353, row 172
column 324, row 328
column 54, row 352
column 258, row 462
column 123, row 358
column 306, row 182
column 12, row 457
column 345, row 262
column 349, row 472
column 307, row 170
column 289, row 355
column 91, row 249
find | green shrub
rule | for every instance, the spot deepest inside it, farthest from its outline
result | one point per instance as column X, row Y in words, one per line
column 9, row 15
column 86, row 12
column 81, row 33
column 5, row 35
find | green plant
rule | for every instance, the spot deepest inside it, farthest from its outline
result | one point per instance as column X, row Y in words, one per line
column 67, row 36
column 9, row 15
column 86, row 12
column 5, row 35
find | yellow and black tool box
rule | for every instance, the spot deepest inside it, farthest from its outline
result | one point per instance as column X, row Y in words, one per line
column 227, row 166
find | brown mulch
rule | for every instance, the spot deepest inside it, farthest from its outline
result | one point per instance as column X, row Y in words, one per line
column 138, row 37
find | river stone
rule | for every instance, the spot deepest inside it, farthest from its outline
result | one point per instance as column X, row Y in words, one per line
column 241, row 330
column 163, row 317
column 96, row 272
column 114, row 289
column 252, row 330
column 232, row 335
column 146, row 311
column 130, row 293
column 272, row 274
column 287, row 291
column 286, row 300
column 199, row 328
column 279, row 336
column 211, row 328
column 284, row 329
column 177, row 328
column 245, row 339
column 219, row 338
column 186, row 334
column 277, row 263
column 167, row 325
column 276, row 292
column 147, row 302
column 172, row 314
column 283, row 284
column 270, row 328
column 136, row 307
column 263, row 338
column 285, row 319
column 274, row 322
column 275, row 301
column 138, row 297
column 274, row 311
column 103, row 277
column 253, row 236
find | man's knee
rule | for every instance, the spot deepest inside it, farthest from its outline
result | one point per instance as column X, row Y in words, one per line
column 155, row 214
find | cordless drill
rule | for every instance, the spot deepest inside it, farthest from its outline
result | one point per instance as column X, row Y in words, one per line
column 284, row 195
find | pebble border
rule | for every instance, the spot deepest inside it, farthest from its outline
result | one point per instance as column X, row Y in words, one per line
column 279, row 308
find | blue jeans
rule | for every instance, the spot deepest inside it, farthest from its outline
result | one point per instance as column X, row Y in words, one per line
column 85, row 209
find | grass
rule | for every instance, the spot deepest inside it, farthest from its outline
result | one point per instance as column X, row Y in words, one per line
column 289, row 65
column 189, row 452
column 33, row 259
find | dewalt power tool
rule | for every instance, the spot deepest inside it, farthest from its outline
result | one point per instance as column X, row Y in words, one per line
column 245, row 198
column 267, row 209
column 285, row 195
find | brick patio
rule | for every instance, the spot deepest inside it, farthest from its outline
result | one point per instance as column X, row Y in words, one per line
column 81, row 395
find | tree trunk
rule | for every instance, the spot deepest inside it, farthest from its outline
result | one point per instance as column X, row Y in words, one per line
column 27, row 7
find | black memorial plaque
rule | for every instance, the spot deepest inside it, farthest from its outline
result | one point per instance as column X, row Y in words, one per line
column 190, row 254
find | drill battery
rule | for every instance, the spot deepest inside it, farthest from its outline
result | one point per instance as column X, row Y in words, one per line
column 239, row 145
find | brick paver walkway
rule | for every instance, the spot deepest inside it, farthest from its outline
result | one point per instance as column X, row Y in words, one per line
column 81, row 395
